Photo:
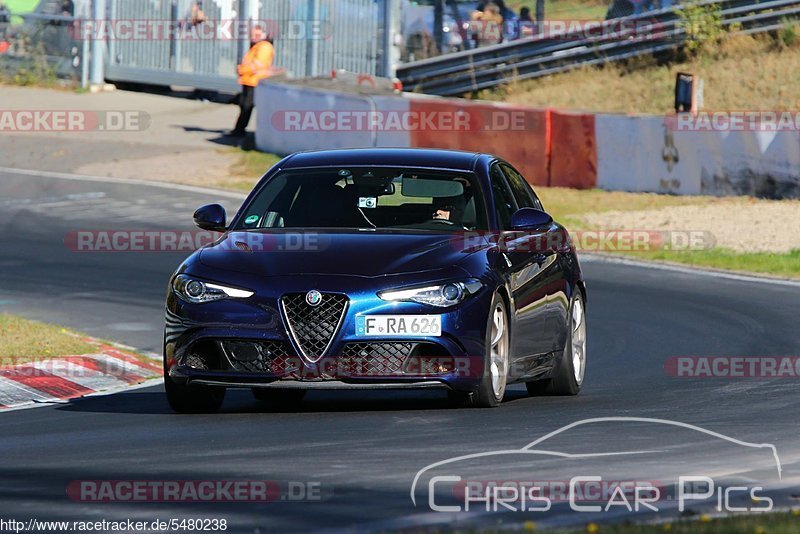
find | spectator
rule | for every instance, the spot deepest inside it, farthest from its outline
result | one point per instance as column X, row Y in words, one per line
column 67, row 8
column 5, row 20
column 489, row 24
column 256, row 65
column 526, row 23
column 197, row 16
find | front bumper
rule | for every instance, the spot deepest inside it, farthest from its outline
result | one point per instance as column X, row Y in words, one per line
column 247, row 344
column 325, row 384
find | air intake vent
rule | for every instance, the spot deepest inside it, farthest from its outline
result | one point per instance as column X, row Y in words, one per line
column 313, row 327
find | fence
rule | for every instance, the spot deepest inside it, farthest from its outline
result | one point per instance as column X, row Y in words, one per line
column 311, row 38
column 161, row 42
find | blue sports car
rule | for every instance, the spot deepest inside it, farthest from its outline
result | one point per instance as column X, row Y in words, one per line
column 373, row 269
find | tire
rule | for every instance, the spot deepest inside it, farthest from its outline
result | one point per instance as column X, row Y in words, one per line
column 566, row 380
column 287, row 396
column 495, row 365
column 193, row 399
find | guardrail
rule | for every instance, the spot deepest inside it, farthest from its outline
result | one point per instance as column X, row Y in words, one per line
column 524, row 59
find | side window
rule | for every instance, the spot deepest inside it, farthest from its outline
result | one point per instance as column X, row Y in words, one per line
column 523, row 193
column 503, row 199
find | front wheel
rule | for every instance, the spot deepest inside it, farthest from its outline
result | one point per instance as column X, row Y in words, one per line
column 193, row 399
column 494, row 375
column 572, row 367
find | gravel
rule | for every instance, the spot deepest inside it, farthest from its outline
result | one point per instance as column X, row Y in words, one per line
column 743, row 225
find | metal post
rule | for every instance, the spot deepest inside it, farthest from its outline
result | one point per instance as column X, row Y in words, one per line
column 390, row 52
column 438, row 25
column 97, row 77
column 174, row 39
column 85, row 63
column 245, row 15
column 312, row 45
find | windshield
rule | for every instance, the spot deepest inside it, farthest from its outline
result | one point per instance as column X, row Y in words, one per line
column 368, row 198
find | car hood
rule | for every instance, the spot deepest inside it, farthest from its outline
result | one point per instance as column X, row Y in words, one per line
column 357, row 253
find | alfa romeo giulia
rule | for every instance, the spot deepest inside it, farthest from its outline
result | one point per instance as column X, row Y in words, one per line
column 378, row 268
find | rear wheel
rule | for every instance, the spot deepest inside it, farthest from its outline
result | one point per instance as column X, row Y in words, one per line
column 193, row 399
column 492, row 386
column 288, row 396
column 572, row 367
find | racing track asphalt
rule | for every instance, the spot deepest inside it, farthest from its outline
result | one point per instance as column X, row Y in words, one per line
column 364, row 448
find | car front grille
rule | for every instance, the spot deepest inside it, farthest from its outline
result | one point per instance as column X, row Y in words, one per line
column 373, row 359
column 312, row 328
column 273, row 357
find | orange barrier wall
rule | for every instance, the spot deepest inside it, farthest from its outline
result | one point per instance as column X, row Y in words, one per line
column 573, row 150
column 517, row 134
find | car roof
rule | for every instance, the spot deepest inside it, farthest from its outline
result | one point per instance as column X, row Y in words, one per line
column 390, row 157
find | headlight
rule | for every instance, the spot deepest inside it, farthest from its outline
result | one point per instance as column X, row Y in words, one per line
column 440, row 295
column 198, row 291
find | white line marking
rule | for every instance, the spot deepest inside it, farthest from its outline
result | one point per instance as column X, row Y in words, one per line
column 129, row 181
column 739, row 277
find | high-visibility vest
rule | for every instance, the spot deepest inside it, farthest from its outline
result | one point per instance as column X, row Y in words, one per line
column 257, row 64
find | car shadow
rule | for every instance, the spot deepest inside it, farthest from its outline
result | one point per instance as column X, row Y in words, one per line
column 152, row 401
column 221, row 136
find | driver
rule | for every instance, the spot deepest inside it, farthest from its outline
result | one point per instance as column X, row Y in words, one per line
column 449, row 209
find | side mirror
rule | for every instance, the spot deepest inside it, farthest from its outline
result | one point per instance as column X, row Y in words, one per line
column 530, row 218
column 210, row 217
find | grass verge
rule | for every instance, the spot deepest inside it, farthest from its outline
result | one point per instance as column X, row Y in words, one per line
column 644, row 86
column 249, row 167
column 785, row 265
column 22, row 340
column 769, row 523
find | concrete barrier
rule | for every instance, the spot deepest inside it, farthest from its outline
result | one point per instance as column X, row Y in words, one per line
column 640, row 153
column 292, row 118
column 549, row 147
column 515, row 133
column 573, row 150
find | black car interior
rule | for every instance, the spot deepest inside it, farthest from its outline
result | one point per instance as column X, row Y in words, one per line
column 367, row 198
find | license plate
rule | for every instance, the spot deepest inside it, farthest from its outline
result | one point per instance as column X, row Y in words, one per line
column 399, row 325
